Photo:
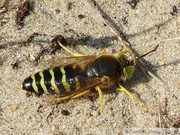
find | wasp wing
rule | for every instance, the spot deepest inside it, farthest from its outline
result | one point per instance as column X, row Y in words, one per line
column 78, row 60
column 86, row 86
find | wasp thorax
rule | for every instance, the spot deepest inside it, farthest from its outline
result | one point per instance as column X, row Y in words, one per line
column 105, row 66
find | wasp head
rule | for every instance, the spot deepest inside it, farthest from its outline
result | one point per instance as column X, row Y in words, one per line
column 128, row 62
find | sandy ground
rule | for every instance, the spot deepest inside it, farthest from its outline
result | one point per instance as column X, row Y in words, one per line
column 150, row 23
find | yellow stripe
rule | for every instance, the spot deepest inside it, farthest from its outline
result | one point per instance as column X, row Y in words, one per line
column 96, row 74
column 53, row 81
column 65, row 84
column 34, row 84
column 21, row 86
column 42, row 82
column 77, row 84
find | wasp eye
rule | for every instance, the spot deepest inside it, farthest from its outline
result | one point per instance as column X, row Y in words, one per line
column 128, row 72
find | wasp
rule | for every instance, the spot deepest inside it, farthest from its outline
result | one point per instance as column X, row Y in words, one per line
column 84, row 74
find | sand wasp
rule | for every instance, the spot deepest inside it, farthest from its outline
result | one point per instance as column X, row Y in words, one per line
column 84, row 74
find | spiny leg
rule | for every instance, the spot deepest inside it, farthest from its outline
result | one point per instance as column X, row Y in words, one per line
column 69, row 51
column 104, row 51
column 100, row 98
column 121, row 88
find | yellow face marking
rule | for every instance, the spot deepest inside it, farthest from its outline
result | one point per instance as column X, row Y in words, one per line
column 64, row 82
column 53, row 81
column 77, row 84
column 34, row 84
column 42, row 82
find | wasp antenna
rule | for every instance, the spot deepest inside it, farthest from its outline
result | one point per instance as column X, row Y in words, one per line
column 148, row 52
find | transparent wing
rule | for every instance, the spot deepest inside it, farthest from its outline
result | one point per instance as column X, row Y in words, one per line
column 78, row 60
column 86, row 87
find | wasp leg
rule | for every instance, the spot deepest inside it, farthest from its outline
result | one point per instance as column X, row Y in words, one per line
column 56, row 99
column 104, row 51
column 81, row 94
column 69, row 51
column 121, row 88
column 100, row 98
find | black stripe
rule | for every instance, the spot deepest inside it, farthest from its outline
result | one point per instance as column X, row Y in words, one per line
column 38, row 78
column 71, row 74
column 47, row 80
column 58, row 79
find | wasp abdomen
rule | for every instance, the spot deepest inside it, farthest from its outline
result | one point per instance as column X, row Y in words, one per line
column 58, row 80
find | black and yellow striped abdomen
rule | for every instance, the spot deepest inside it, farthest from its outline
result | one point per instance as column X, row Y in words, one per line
column 59, row 80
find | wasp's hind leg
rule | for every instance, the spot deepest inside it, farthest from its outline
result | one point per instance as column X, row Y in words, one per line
column 100, row 98
column 77, row 95
column 121, row 88
column 55, row 99
column 69, row 51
